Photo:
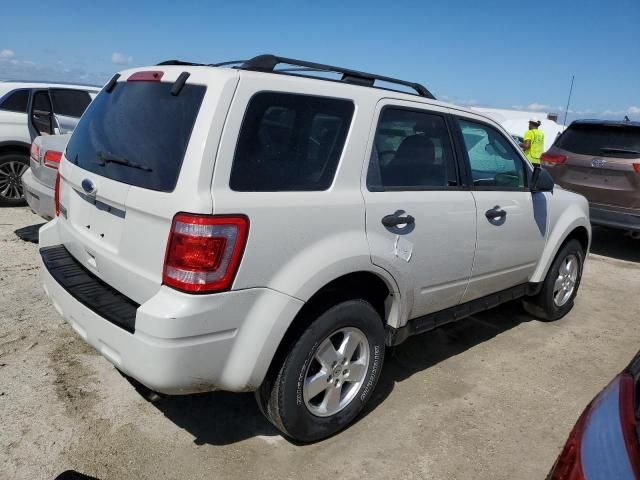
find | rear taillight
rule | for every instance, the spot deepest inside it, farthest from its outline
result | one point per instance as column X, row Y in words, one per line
column 35, row 152
column 204, row 251
column 51, row 159
column 604, row 441
column 568, row 466
column 550, row 159
column 636, row 167
column 57, row 195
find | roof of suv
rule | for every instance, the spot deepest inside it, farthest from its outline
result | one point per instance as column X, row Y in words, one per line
column 7, row 86
column 606, row 123
column 265, row 65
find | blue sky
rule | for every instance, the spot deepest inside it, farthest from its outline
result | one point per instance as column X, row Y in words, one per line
column 489, row 53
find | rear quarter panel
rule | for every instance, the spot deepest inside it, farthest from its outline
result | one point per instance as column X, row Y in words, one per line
column 300, row 241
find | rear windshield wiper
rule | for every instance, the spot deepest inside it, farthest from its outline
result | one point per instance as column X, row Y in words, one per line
column 107, row 157
column 619, row 150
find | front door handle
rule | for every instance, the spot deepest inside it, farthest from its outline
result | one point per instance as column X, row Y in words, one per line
column 495, row 212
column 396, row 219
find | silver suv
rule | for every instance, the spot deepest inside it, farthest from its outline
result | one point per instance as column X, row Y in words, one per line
column 29, row 109
column 255, row 229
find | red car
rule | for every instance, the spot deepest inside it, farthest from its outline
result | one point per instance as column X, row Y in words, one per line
column 604, row 443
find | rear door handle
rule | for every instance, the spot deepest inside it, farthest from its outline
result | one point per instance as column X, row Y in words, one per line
column 396, row 219
column 495, row 212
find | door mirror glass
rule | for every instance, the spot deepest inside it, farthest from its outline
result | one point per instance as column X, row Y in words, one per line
column 541, row 181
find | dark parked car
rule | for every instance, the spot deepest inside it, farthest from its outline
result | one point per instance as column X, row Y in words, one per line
column 604, row 442
column 601, row 160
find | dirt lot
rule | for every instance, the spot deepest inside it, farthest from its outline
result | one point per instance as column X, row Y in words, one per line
column 492, row 397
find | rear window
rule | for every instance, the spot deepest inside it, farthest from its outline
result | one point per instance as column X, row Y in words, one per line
column 16, row 101
column 137, row 134
column 290, row 142
column 610, row 141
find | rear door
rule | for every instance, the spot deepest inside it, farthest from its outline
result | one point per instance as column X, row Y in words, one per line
column 512, row 222
column 68, row 107
column 420, row 220
column 598, row 162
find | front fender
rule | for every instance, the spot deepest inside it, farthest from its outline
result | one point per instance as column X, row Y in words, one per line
column 570, row 215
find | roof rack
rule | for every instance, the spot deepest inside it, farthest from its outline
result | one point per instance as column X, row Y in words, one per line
column 267, row 63
column 193, row 64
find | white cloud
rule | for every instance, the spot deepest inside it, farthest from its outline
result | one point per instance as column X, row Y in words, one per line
column 6, row 53
column 538, row 107
column 613, row 113
column 517, row 107
column 634, row 110
column 121, row 59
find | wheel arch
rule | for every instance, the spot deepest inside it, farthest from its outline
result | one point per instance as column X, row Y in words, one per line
column 366, row 285
column 578, row 230
column 14, row 147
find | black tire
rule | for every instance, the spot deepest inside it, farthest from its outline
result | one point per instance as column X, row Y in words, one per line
column 9, row 183
column 281, row 397
column 543, row 305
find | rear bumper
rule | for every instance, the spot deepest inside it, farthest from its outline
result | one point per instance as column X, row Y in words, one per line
column 184, row 343
column 39, row 197
column 626, row 219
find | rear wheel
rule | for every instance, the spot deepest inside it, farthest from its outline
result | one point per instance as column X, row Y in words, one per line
column 12, row 166
column 327, row 375
column 560, row 286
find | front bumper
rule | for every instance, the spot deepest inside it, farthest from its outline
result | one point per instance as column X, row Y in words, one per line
column 624, row 219
column 41, row 198
column 184, row 343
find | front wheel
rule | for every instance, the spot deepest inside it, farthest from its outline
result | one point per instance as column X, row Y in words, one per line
column 560, row 286
column 328, row 374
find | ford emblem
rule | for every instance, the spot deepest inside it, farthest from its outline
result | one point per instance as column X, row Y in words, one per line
column 88, row 186
column 598, row 162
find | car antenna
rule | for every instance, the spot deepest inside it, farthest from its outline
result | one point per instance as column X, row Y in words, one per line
column 566, row 110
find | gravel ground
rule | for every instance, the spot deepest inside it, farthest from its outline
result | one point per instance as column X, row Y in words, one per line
column 490, row 397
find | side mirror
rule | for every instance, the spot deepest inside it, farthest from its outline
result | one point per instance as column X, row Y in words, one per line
column 541, row 181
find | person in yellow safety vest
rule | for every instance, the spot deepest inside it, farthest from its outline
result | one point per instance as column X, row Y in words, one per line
column 533, row 144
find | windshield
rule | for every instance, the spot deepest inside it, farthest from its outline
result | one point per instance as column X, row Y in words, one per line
column 137, row 133
column 601, row 140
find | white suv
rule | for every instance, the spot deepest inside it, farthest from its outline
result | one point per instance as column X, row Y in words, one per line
column 254, row 229
column 29, row 109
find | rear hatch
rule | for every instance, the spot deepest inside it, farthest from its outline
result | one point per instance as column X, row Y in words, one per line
column 140, row 153
column 600, row 161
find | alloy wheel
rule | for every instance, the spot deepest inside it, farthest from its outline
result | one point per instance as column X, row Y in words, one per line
column 11, row 179
column 565, row 284
column 336, row 372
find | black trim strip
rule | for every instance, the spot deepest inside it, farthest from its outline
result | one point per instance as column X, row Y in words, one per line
column 88, row 289
column 395, row 336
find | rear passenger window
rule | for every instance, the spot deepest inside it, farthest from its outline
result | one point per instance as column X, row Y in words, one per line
column 71, row 103
column 412, row 151
column 290, row 142
column 16, row 101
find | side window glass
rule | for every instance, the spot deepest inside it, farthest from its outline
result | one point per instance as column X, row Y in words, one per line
column 493, row 161
column 412, row 150
column 70, row 103
column 16, row 101
column 290, row 142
